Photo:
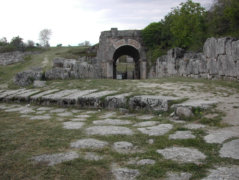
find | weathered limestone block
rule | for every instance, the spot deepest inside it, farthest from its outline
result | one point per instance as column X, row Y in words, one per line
column 72, row 99
column 212, row 66
column 117, row 101
column 26, row 78
column 94, row 99
column 221, row 46
column 235, row 50
column 151, row 103
column 11, row 57
column 209, row 48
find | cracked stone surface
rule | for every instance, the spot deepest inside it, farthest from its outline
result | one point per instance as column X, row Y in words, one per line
column 112, row 122
column 223, row 173
column 156, row 130
column 146, row 123
column 220, row 135
column 108, row 130
column 124, row 173
column 182, row 135
column 178, row 176
column 182, row 155
column 43, row 117
column 230, row 149
column 58, row 158
column 89, row 143
column 73, row 125
column 194, row 126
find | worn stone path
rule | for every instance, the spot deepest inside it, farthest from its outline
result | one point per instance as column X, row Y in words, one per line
column 112, row 124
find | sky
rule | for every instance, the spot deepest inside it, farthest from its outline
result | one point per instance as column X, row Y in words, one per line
column 75, row 21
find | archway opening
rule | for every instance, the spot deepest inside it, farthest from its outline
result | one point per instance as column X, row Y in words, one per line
column 122, row 54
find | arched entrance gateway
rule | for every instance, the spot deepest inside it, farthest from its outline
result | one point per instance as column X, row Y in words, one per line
column 113, row 45
column 129, row 51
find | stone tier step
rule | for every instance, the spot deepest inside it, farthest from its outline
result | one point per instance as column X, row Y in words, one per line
column 93, row 99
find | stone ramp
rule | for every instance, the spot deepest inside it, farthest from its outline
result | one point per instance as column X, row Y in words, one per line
column 90, row 99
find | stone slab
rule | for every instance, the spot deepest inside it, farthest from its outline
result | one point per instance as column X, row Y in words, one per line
column 73, row 125
column 93, row 100
column 89, row 143
column 178, row 176
column 108, row 130
column 156, row 130
column 182, row 135
column 146, row 123
column 197, row 104
column 220, row 135
column 58, row 158
column 65, row 114
column 223, row 173
column 194, row 126
column 124, row 173
column 145, row 117
column 230, row 149
column 91, row 156
column 10, row 92
column 146, row 162
column 117, row 101
column 151, row 103
column 43, row 117
column 112, row 122
column 39, row 95
column 182, row 155
column 72, row 99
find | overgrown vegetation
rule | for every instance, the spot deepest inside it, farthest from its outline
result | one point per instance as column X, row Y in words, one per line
column 188, row 26
column 17, row 44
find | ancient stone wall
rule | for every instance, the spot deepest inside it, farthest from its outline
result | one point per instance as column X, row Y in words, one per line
column 219, row 60
column 11, row 57
column 62, row 68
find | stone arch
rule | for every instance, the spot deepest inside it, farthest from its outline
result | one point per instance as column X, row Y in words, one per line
column 130, row 51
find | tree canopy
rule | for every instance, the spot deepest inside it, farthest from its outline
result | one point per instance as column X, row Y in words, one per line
column 188, row 26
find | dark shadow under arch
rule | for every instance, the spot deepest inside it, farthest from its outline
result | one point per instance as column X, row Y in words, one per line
column 130, row 51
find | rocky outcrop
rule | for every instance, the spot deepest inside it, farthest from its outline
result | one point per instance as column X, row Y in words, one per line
column 26, row 78
column 73, row 69
column 219, row 60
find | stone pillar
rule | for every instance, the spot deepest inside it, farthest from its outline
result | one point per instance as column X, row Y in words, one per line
column 109, row 70
column 143, row 70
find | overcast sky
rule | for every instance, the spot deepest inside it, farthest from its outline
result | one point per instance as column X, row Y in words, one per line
column 74, row 21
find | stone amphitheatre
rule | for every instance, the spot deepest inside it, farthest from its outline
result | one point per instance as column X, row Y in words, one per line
column 178, row 118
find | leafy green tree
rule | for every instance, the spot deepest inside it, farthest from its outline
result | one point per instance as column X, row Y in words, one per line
column 187, row 25
column 223, row 18
column 17, row 43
